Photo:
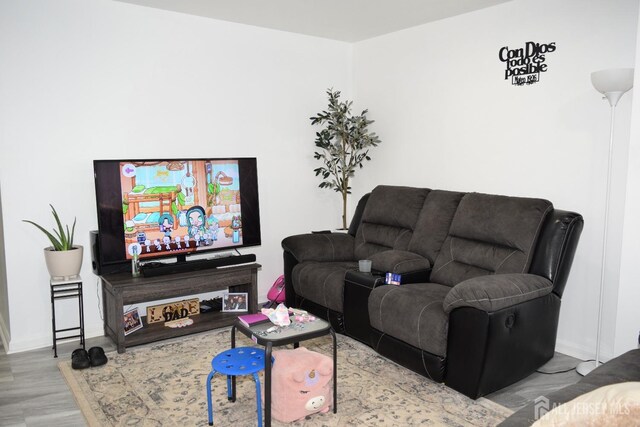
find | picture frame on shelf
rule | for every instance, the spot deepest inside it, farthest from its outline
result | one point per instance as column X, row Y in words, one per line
column 235, row 301
column 132, row 321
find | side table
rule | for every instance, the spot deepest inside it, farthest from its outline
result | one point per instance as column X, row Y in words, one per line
column 63, row 288
column 257, row 333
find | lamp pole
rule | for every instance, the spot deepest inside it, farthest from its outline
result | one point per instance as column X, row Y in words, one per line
column 612, row 84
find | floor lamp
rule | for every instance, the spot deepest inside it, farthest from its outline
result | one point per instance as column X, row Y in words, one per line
column 612, row 83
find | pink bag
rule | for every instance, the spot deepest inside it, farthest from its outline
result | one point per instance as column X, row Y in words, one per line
column 276, row 293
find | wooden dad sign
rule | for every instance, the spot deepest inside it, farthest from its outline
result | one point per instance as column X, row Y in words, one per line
column 173, row 310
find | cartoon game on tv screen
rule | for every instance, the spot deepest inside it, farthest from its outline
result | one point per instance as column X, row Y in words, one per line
column 180, row 206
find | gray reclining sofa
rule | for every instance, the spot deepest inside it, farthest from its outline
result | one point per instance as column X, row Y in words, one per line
column 482, row 280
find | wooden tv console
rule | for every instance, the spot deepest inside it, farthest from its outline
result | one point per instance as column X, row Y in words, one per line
column 120, row 290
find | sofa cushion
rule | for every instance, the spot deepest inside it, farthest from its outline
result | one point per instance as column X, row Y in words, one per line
column 322, row 282
column 434, row 222
column 490, row 234
column 412, row 313
column 400, row 262
column 388, row 219
column 320, row 247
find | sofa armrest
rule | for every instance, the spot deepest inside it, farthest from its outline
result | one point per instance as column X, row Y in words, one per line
column 494, row 292
column 400, row 262
column 357, row 288
column 320, row 247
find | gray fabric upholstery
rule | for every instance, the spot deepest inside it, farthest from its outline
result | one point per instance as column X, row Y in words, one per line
column 388, row 219
column 322, row 282
column 320, row 247
column 399, row 262
column 489, row 234
column 625, row 367
column 494, row 292
column 434, row 222
column 412, row 313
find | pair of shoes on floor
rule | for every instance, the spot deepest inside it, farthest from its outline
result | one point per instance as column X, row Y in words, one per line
column 82, row 359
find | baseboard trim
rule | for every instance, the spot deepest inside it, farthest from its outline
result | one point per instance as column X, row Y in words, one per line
column 19, row 346
column 5, row 335
column 581, row 352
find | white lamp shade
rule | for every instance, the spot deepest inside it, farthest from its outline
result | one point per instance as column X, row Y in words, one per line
column 613, row 83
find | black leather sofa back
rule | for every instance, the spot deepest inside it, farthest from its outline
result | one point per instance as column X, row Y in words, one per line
column 556, row 248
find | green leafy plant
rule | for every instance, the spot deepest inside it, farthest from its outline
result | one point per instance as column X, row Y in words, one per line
column 344, row 145
column 61, row 239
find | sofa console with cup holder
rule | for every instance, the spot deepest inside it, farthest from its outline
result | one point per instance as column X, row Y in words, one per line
column 482, row 278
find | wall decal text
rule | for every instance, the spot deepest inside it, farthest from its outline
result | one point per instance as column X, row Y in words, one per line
column 524, row 65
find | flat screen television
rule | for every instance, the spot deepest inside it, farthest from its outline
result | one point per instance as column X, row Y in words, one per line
column 159, row 208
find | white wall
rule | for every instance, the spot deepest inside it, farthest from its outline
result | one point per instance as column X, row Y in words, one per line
column 628, row 314
column 449, row 120
column 5, row 321
column 83, row 80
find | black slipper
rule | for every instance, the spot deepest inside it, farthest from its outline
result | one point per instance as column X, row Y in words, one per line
column 80, row 359
column 97, row 356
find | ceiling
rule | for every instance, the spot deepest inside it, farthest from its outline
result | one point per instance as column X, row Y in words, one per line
column 345, row 20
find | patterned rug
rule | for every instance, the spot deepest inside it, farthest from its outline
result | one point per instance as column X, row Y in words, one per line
column 163, row 384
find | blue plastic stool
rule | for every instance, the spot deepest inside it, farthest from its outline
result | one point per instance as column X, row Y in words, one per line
column 233, row 362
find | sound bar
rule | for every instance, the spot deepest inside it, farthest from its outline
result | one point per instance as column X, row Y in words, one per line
column 158, row 268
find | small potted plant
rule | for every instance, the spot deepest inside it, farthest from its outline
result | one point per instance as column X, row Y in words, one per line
column 344, row 145
column 63, row 258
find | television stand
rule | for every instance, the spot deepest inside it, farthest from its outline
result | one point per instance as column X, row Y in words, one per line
column 120, row 290
column 159, row 269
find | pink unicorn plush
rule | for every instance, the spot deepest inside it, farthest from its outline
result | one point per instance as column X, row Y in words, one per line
column 301, row 384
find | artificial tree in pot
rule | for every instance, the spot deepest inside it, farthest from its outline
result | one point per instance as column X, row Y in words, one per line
column 63, row 258
column 344, row 145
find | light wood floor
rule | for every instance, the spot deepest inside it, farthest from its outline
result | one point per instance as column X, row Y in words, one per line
column 537, row 384
column 32, row 390
column 34, row 393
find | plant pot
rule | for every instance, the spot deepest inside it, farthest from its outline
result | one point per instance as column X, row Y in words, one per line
column 63, row 263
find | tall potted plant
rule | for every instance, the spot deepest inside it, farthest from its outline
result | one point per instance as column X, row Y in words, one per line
column 63, row 258
column 344, row 145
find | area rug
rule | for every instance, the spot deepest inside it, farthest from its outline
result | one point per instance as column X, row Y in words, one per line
column 163, row 384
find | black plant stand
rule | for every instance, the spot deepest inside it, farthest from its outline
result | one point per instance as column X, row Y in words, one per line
column 62, row 288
